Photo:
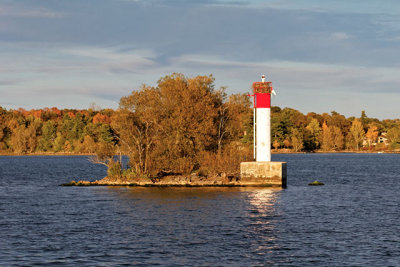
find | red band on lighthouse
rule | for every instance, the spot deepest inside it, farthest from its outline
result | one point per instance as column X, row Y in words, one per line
column 263, row 100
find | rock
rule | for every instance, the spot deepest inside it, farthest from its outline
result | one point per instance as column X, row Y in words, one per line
column 316, row 183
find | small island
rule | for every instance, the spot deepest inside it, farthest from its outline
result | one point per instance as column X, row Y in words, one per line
column 183, row 133
column 175, row 180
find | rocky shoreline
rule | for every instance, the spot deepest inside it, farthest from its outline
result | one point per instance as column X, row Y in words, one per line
column 176, row 181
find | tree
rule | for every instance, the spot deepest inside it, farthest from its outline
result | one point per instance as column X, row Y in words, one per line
column 18, row 140
column 357, row 133
column 338, row 138
column 372, row 134
column 24, row 137
column 239, row 114
column 339, row 121
column 136, row 137
column 105, row 155
column 286, row 143
column 59, row 142
column 88, row 145
column 314, row 130
column 393, row 136
column 49, row 134
column 276, row 144
column 327, row 138
column 171, row 123
column 297, row 139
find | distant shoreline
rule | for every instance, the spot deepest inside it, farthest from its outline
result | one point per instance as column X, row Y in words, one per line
column 47, row 154
column 273, row 152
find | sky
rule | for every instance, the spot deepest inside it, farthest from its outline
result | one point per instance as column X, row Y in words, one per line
column 321, row 56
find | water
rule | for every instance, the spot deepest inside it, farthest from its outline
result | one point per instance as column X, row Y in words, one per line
column 351, row 221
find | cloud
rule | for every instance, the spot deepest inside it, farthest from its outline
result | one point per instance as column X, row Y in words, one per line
column 28, row 12
column 340, row 36
column 8, row 82
column 115, row 59
column 63, row 59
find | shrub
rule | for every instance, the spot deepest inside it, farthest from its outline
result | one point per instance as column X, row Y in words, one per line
column 114, row 169
column 228, row 161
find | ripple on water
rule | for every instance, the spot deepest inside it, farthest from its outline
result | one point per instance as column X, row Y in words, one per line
column 352, row 220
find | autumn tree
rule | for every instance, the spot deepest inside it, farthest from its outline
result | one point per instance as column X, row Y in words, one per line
column 105, row 155
column 137, row 137
column 3, row 128
column 338, row 138
column 372, row 134
column 357, row 133
column 286, row 143
column 88, row 145
column 327, row 138
column 339, row 121
column 393, row 136
column 296, row 139
column 169, row 124
column 276, row 144
column 24, row 137
column 233, row 126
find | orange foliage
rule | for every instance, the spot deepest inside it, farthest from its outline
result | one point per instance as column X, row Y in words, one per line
column 71, row 114
column 37, row 113
column 56, row 111
column 24, row 112
column 84, row 112
column 100, row 118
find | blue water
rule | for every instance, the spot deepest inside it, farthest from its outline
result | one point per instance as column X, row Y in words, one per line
column 351, row 221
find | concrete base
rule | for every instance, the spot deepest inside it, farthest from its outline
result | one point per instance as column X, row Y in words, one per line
column 263, row 173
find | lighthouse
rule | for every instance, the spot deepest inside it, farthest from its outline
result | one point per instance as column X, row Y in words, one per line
column 263, row 171
column 262, row 119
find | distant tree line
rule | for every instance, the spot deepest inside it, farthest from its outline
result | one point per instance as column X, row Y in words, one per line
column 185, row 125
column 54, row 130
column 294, row 131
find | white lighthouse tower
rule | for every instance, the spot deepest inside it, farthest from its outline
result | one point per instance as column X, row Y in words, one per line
column 262, row 171
column 262, row 119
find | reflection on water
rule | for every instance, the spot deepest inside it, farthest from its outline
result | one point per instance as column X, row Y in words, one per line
column 183, row 192
column 263, row 200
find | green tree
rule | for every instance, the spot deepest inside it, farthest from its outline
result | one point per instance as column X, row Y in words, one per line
column 49, row 134
column 59, row 142
column 314, row 131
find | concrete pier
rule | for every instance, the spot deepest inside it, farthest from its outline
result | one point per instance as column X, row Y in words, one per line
column 263, row 173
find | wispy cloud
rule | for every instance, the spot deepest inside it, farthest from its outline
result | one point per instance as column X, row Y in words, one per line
column 340, row 36
column 8, row 82
column 7, row 10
